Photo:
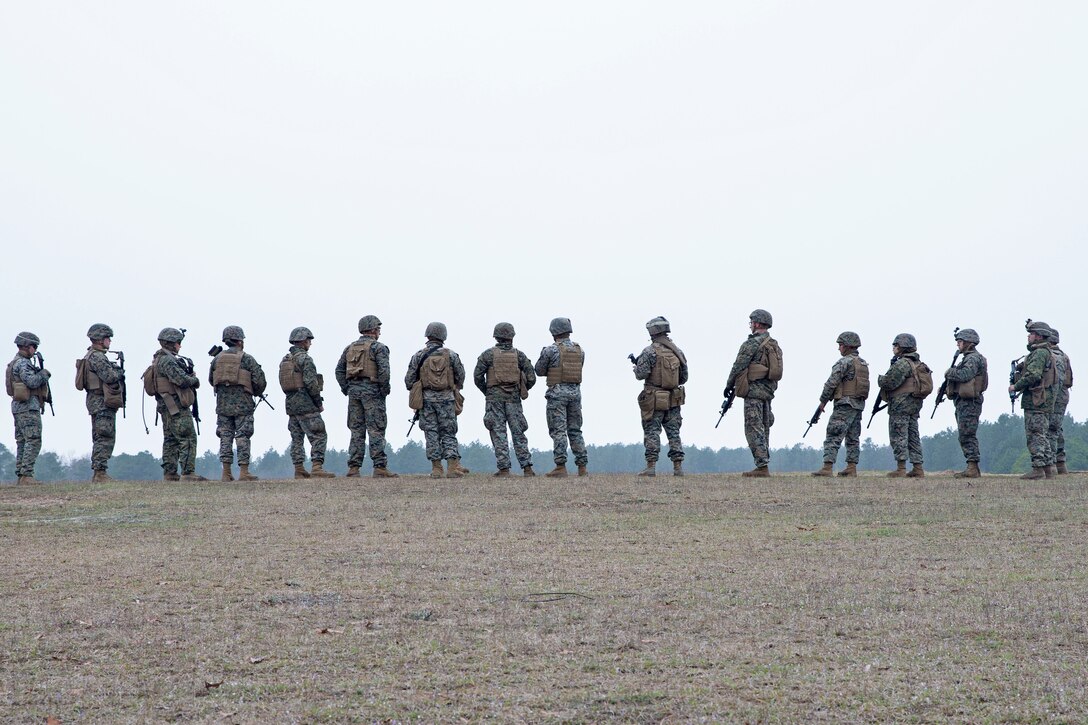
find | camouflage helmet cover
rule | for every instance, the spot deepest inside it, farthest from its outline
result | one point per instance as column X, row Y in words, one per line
column 300, row 334
column 762, row 317
column 968, row 335
column 171, row 334
column 848, row 338
column 504, row 331
column 99, row 330
column 233, row 332
column 1054, row 337
column 560, row 325
column 905, row 340
column 23, row 339
column 658, row 325
column 369, row 322
column 437, row 330
column 1038, row 327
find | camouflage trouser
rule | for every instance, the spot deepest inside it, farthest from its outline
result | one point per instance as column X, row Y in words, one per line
column 904, row 438
column 178, row 441
column 232, row 429
column 1037, row 427
column 758, row 420
column 845, row 422
column 28, row 441
column 497, row 416
column 103, row 437
column 367, row 417
column 300, row 427
column 1057, row 435
column 670, row 420
column 565, row 422
column 439, row 423
column 967, row 415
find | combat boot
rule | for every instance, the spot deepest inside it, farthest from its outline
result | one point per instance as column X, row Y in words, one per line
column 300, row 471
column 101, row 477
column 851, row 471
column 1061, row 468
column 582, row 470
column 457, row 465
column 560, row 471
column 501, row 473
column 650, row 469
column 970, row 472
column 436, row 469
column 171, row 477
column 1050, row 472
column 824, row 472
column 528, row 472
column 192, row 477
column 916, row 471
column 353, row 472
column 1034, row 473
column 678, row 468
column 226, row 473
column 758, row 472
column 453, row 469
column 245, row 475
column 383, row 472
column 900, row 470
column 317, row 470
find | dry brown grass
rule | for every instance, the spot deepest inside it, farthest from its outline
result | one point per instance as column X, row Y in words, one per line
column 703, row 598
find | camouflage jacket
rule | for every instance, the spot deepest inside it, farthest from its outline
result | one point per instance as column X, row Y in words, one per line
column 233, row 399
column 1065, row 372
column 841, row 372
column 549, row 358
column 24, row 369
column 306, row 399
column 167, row 366
column 502, row 393
column 644, row 364
column 107, row 372
column 905, row 404
column 757, row 389
column 435, row 396
column 971, row 365
column 369, row 389
column 1039, row 358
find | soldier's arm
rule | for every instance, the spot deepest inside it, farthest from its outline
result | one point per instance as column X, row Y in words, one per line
column 412, row 375
column 458, row 370
column 683, row 370
column 479, row 374
column 744, row 359
column 544, row 361
column 341, row 372
column 644, row 365
column 171, row 370
column 968, row 369
column 309, row 379
column 526, row 370
column 256, row 372
column 895, row 376
column 1032, row 374
column 31, row 377
column 833, row 381
column 381, row 363
column 106, row 371
column 211, row 370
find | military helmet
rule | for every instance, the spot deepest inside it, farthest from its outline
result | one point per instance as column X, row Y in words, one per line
column 99, row 330
column 24, row 339
column 762, row 317
column 171, row 334
column 1038, row 327
column 968, row 335
column 300, row 334
column 1054, row 336
column 905, row 340
column 233, row 332
column 560, row 325
column 437, row 330
column 850, row 339
column 658, row 325
column 504, row 330
column 369, row 322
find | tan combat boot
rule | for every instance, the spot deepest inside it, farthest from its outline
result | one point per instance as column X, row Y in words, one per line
column 436, row 469
column 460, row 469
column 851, row 471
column 560, row 471
column 900, row 470
column 1034, row 474
column 383, row 472
column 582, row 470
column 226, row 473
column 453, row 469
column 825, row 472
column 353, row 472
column 650, row 469
column 192, row 477
column 678, row 468
column 300, row 471
column 101, row 477
column 528, row 472
column 916, row 471
column 317, row 470
column 970, row 472
column 1050, row 472
column 1061, row 468
column 171, row 477
column 501, row 473
column 245, row 475
column 758, row 472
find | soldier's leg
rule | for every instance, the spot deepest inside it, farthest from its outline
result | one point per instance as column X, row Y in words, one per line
column 313, row 425
column 298, row 436
column 28, row 427
column 967, row 415
column 914, row 441
column 447, row 431
column 515, row 418
column 376, row 422
column 768, row 422
column 224, row 428
column 671, row 423
column 20, row 446
column 837, row 426
column 170, row 444
column 853, row 435
column 1037, row 428
column 574, row 433
column 185, row 431
column 428, row 423
column 357, row 426
column 495, row 422
column 651, row 435
column 243, row 434
column 103, row 437
column 1059, row 446
column 755, row 431
column 557, row 429
column 898, row 434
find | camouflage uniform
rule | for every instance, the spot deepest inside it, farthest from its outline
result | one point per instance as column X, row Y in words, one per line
column 103, row 419
column 1038, row 406
column 968, row 410
column 903, row 411
column 28, row 415
column 303, row 407
column 234, row 409
column 1061, row 402
column 670, row 419
column 564, row 409
column 366, row 405
column 845, row 420
column 758, row 417
column 502, row 407
column 179, row 430
column 438, row 418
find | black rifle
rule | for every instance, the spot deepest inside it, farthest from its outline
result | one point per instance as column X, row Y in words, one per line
column 413, row 425
column 730, row 395
column 124, row 386
column 943, row 390
column 633, row 359
column 1014, row 370
column 188, row 366
column 48, row 389
column 813, row 420
column 877, row 407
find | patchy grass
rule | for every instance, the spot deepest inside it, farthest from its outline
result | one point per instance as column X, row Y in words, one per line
column 608, row 598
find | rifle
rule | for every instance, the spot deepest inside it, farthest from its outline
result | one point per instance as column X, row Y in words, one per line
column 124, row 386
column 730, row 395
column 48, row 389
column 413, row 425
column 263, row 398
column 877, row 407
column 813, row 420
column 188, row 366
column 632, row 358
column 944, row 386
column 1013, row 371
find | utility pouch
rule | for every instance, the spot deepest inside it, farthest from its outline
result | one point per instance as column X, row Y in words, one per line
column 662, row 399
column 646, row 403
column 458, row 402
column 677, row 397
column 740, row 385
column 112, row 396
column 415, row 396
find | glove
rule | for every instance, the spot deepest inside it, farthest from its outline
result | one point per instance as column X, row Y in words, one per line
column 727, row 392
column 194, row 383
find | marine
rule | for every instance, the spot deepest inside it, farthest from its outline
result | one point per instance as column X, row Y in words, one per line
column 237, row 377
column 848, row 386
column 363, row 375
column 561, row 364
column 1061, row 402
column 171, row 381
column 434, row 380
column 967, row 381
column 505, row 376
column 1037, row 383
column 28, row 386
column 754, row 377
column 303, row 386
column 902, row 386
column 102, row 381
column 663, row 368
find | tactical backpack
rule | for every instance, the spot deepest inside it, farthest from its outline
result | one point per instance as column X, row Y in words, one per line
column 360, row 364
column 666, row 370
column 290, row 375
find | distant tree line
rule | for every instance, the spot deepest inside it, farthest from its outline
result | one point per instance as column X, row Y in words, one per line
column 1002, row 444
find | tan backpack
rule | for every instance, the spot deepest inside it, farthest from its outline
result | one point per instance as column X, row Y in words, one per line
column 436, row 373
column 666, row 370
column 360, row 364
column 290, row 375
column 767, row 364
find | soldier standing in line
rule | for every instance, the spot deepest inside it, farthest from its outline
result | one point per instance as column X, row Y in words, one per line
column 561, row 363
column 439, row 375
column 967, row 382
column 848, row 386
column 504, row 375
column 303, row 386
column 102, row 381
column 1061, row 402
column 754, row 377
column 363, row 375
column 174, row 388
column 237, row 378
column 903, row 387
column 1037, row 379
column 28, row 386
column 664, row 368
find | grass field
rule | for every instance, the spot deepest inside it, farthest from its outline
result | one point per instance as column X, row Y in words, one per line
column 608, row 598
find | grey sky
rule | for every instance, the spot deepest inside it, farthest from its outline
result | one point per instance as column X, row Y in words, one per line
column 867, row 166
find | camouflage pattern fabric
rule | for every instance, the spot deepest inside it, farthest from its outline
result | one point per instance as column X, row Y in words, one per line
column 758, row 420
column 844, row 423
column 1034, row 367
column 28, row 441
column 367, row 417
column 167, row 366
column 1037, row 430
column 903, row 435
column 233, row 400
column 749, row 349
column 971, row 365
column 498, row 415
column 436, row 396
column 312, row 426
column 364, row 388
column 905, row 404
column 307, row 399
column 549, row 358
column 233, row 429
column 564, row 408
column 439, row 424
column 24, row 369
column 842, row 372
column 103, row 419
column 178, row 442
column 1061, row 402
column 670, row 420
column 968, row 413
column 107, row 372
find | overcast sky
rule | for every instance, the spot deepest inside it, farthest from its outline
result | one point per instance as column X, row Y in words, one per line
column 876, row 167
